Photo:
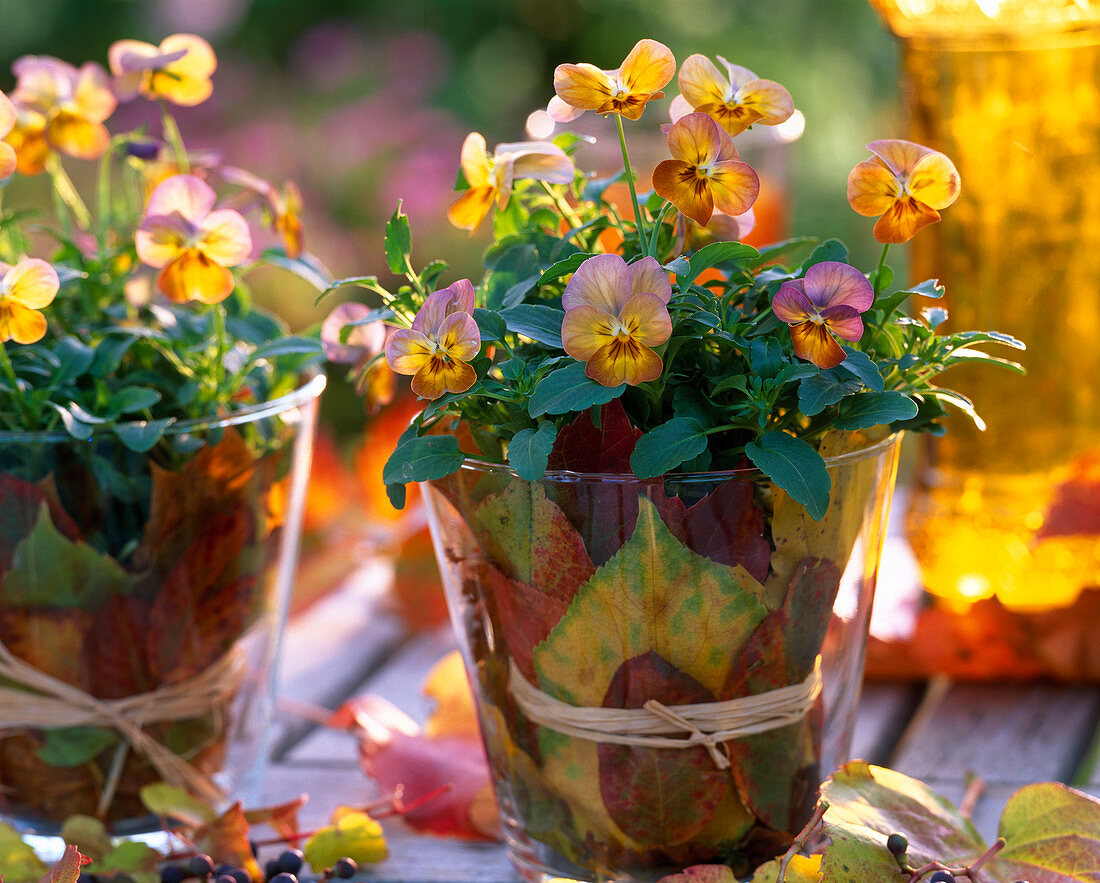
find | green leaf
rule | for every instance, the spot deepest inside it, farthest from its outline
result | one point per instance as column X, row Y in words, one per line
column 306, row 267
column 422, row 458
column 862, row 366
column 540, row 323
column 718, row 253
column 563, row 268
column 108, row 354
column 867, row 409
column 78, row 429
column 829, row 250
column 490, row 324
column 76, row 358
column 818, row 392
column 172, row 802
column 665, row 447
column 141, row 435
column 529, row 450
column 398, row 241
column 1050, row 829
column 288, row 346
column 131, row 399
column 796, row 467
column 73, row 746
column 354, row 835
column 569, row 389
column 779, row 249
column 18, row 859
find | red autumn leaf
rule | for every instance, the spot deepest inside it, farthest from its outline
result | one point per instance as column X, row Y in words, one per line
column 20, row 502
column 449, row 773
column 658, row 796
column 281, row 818
column 526, row 615
column 1075, row 505
column 49, row 638
column 67, row 869
column 113, row 654
column 582, row 447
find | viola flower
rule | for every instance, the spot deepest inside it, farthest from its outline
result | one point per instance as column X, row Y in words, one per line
column 25, row 289
column 615, row 314
column 906, row 183
column 178, row 70
column 704, row 172
column 374, row 379
column 7, row 123
column 443, row 338
column 490, row 179
column 827, row 301
column 193, row 243
column 59, row 108
column 284, row 207
column 644, row 72
column 736, row 99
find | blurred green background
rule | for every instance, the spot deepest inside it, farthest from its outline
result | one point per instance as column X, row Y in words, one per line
column 365, row 102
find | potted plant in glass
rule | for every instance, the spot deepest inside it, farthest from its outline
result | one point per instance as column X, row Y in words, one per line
column 657, row 463
column 155, row 433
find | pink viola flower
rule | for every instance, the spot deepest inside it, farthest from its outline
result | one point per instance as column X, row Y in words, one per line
column 359, row 348
column 59, row 107
column 443, row 339
column 178, row 70
column 734, row 96
column 25, row 289
column 615, row 314
column 490, row 178
column 7, row 123
column 645, row 71
column 827, row 301
column 192, row 243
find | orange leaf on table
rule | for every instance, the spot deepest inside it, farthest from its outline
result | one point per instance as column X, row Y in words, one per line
column 226, row 841
column 281, row 818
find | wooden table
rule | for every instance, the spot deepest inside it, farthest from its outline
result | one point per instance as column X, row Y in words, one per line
column 348, row 643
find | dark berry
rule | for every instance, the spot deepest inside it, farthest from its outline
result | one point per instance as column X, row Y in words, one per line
column 941, row 877
column 897, row 844
column 345, row 869
column 290, row 860
column 225, row 878
column 271, row 868
column 200, row 866
column 283, row 877
column 239, row 875
column 174, row 874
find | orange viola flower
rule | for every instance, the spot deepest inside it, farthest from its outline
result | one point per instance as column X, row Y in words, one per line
column 645, row 71
column 490, row 178
column 7, row 123
column 735, row 99
column 906, row 183
column 827, row 301
column 178, row 70
column 283, row 207
column 59, row 108
column 193, row 243
column 363, row 342
column 25, row 289
column 704, row 172
column 615, row 314
column 444, row 337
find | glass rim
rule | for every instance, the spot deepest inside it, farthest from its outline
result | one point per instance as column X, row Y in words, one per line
column 300, row 395
column 867, row 452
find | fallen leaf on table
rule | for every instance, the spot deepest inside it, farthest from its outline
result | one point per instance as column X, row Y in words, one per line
column 454, row 713
column 226, row 841
column 353, row 835
column 20, row 862
column 281, row 818
column 67, row 869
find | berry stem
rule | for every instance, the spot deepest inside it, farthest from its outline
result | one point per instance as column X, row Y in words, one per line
column 800, row 840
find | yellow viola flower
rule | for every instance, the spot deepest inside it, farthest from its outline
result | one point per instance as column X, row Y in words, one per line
column 736, row 99
column 827, row 301
column 59, row 107
column 444, row 337
column 704, row 172
column 7, row 123
column 615, row 314
column 906, row 183
column 193, row 243
column 490, row 178
column 178, row 70
column 645, row 71
column 25, row 289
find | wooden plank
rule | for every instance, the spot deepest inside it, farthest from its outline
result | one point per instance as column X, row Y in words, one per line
column 884, row 711
column 1005, row 734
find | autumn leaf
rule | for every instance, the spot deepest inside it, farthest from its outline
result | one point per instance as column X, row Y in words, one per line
column 20, row 863
column 354, row 835
column 281, row 818
column 447, row 686
column 172, row 802
column 416, row 587
column 20, row 507
column 1075, row 504
column 581, row 446
column 225, row 840
column 113, row 652
column 48, row 638
column 67, row 869
column 1052, row 833
column 701, row 874
column 802, row 869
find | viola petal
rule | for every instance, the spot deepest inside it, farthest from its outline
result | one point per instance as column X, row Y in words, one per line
column 198, row 60
column 470, row 209
column 843, row 321
column 32, row 282
column 602, row 281
column 363, row 341
column 463, row 296
column 701, row 82
column 539, row 160
column 646, row 319
column 584, row 330
column 475, row 161
column 20, row 324
column 77, row 137
column 8, row 160
column 904, row 218
column 7, row 115
column 456, row 298
column 225, row 237
column 677, row 182
column 624, row 361
column 679, row 108
column 130, row 56
column 934, row 181
column 93, row 94
column 42, row 81
column 194, row 276
column 438, row 376
column 649, row 277
column 648, row 67
column 582, row 86
column 560, row 112
column 737, row 75
column 162, row 238
column 459, row 337
column 813, row 342
column 31, row 149
column 872, row 188
column 831, row 283
column 192, row 197
column 503, row 175
column 900, row 156
column 790, row 303
column 734, row 186
column 770, row 102
column 407, row 350
column 694, row 139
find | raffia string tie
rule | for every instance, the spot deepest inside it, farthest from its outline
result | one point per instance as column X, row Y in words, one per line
column 656, row 725
column 48, row 702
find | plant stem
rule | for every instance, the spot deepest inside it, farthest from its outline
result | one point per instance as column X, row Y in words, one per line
column 28, row 415
column 642, row 243
column 174, row 139
column 800, row 840
column 878, row 269
column 563, row 207
column 218, row 315
column 63, row 187
column 653, row 242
